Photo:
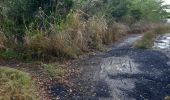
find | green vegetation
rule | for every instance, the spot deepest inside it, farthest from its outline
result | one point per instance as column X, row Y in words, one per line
column 55, row 70
column 11, row 54
column 16, row 85
column 45, row 29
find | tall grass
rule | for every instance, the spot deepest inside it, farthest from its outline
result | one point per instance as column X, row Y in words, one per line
column 149, row 36
column 68, row 39
column 71, row 37
column 162, row 28
column 146, row 41
column 76, row 35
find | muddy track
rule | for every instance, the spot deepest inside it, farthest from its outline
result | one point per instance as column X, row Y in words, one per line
column 123, row 73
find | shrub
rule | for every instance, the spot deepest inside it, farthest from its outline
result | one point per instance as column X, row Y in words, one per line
column 16, row 85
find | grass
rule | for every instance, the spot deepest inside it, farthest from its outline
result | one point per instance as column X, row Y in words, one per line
column 55, row 70
column 149, row 36
column 162, row 28
column 16, row 85
column 74, row 37
column 146, row 41
column 12, row 54
column 9, row 54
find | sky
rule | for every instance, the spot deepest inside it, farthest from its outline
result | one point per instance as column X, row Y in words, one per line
column 167, row 1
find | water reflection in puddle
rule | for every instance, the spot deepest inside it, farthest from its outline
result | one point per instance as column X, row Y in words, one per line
column 162, row 42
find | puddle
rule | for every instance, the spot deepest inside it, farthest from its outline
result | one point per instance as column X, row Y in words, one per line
column 162, row 42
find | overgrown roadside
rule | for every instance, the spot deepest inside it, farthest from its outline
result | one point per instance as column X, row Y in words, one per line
column 34, row 32
column 60, row 81
column 54, row 80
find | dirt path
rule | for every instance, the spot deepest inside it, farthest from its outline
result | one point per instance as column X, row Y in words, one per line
column 124, row 73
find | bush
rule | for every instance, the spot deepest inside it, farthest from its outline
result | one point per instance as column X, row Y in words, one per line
column 16, row 85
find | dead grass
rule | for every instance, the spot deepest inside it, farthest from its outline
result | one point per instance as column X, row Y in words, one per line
column 75, row 36
column 148, row 37
column 162, row 28
column 16, row 85
column 96, row 28
column 146, row 41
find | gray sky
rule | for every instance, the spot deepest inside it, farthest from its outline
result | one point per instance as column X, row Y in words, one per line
column 167, row 1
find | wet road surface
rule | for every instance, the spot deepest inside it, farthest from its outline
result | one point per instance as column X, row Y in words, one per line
column 125, row 73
